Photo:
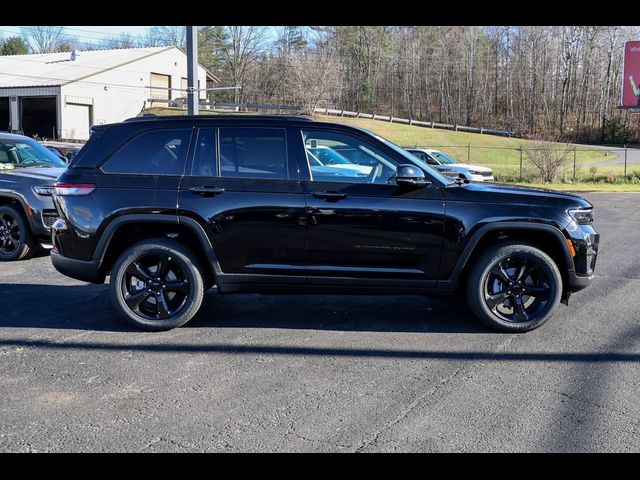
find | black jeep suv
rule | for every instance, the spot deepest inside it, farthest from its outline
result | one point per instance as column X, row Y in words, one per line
column 28, row 171
column 172, row 206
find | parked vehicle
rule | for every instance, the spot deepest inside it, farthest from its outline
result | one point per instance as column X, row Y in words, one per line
column 64, row 150
column 172, row 206
column 449, row 166
column 27, row 174
column 56, row 153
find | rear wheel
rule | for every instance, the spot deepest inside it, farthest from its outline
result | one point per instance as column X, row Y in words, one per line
column 514, row 287
column 157, row 284
column 16, row 240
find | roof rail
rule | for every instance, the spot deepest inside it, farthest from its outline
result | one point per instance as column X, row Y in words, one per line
column 238, row 116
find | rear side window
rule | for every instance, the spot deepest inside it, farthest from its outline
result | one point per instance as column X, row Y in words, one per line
column 253, row 153
column 156, row 152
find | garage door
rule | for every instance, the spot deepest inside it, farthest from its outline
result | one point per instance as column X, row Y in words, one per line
column 77, row 120
column 4, row 113
column 160, row 85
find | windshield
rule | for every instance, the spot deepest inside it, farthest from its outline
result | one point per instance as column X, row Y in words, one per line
column 27, row 153
column 442, row 157
column 415, row 160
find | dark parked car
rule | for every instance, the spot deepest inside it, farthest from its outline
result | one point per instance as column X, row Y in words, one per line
column 27, row 174
column 172, row 206
column 66, row 151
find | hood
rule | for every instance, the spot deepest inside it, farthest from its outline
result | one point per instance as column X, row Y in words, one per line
column 37, row 173
column 496, row 192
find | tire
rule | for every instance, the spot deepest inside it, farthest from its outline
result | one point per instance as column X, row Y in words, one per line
column 157, row 308
column 520, row 296
column 16, row 240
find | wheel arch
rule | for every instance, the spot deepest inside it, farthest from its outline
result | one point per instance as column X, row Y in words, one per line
column 123, row 231
column 546, row 237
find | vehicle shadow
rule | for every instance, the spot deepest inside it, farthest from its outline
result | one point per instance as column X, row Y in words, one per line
column 89, row 307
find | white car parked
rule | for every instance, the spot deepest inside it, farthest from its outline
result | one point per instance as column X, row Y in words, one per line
column 447, row 165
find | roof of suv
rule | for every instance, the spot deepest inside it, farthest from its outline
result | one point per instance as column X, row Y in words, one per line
column 152, row 117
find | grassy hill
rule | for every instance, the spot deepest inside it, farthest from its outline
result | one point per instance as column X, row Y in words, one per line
column 490, row 150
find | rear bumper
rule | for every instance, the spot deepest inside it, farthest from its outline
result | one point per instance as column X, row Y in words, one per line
column 78, row 269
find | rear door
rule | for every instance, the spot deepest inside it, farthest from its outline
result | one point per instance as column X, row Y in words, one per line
column 243, row 188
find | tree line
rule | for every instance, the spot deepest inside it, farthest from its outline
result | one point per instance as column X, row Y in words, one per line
column 555, row 82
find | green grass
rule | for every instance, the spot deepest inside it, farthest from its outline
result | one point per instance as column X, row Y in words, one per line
column 490, row 150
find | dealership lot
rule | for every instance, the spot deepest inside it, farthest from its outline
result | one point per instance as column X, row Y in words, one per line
column 325, row 373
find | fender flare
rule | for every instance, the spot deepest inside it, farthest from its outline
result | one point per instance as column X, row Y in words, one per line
column 491, row 227
column 191, row 224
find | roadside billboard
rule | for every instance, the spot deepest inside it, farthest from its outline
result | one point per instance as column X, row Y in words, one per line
column 631, row 75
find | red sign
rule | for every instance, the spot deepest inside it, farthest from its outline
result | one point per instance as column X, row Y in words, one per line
column 631, row 76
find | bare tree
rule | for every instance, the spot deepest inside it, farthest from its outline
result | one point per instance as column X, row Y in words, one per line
column 239, row 47
column 45, row 39
column 125, row 40
column 165, row 36
column 547, row 159
column 312, row 75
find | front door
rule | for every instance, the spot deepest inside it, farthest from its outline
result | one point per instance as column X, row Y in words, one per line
column 361, row 225
column 242, row 186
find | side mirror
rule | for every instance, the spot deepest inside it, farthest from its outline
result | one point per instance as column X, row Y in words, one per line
column 410, row 175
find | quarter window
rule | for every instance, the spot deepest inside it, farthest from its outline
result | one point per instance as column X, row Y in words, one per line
column 204, row 157
column 156, row 152
column 253, row 153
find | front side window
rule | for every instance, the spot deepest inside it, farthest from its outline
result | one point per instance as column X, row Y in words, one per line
column 155, row 152
column 253, row 153
column 339, row 157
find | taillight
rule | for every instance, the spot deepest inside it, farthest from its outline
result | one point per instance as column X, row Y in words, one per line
column 63, row 189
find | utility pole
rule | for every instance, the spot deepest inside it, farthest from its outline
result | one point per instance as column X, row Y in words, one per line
column 193, row 95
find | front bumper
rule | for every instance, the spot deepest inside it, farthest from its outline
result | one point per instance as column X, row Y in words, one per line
column 585, row 241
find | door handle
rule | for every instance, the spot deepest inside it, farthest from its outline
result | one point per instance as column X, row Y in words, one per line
column 206, row 191
column 330, row 195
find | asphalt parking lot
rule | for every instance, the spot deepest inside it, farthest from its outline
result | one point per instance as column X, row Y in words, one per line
column 325, row 373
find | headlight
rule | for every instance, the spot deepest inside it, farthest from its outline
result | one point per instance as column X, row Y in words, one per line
column 475, row 172
column 582, row 217
column 451, row 173
column 46, row 190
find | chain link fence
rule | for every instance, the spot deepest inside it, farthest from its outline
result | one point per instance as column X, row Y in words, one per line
column 545, row 162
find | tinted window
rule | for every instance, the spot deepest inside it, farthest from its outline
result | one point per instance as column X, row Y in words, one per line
column 338, row 157
column 253, row 153
column 204, row 158
column 156, row 152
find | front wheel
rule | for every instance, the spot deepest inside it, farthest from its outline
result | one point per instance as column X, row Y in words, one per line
column 157, row 284
column 16, row 240
column 514, row 287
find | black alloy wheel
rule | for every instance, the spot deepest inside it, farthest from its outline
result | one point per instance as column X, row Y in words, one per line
column 9, row 234
column 517, row 290
column 514, row 287
column 16, row 240
column 155, row 287
column 157, row 284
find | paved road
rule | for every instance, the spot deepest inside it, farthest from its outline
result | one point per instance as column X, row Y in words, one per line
column 615, row 157
column 324, row 373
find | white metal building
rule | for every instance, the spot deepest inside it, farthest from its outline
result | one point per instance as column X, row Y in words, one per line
column 60, row 95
